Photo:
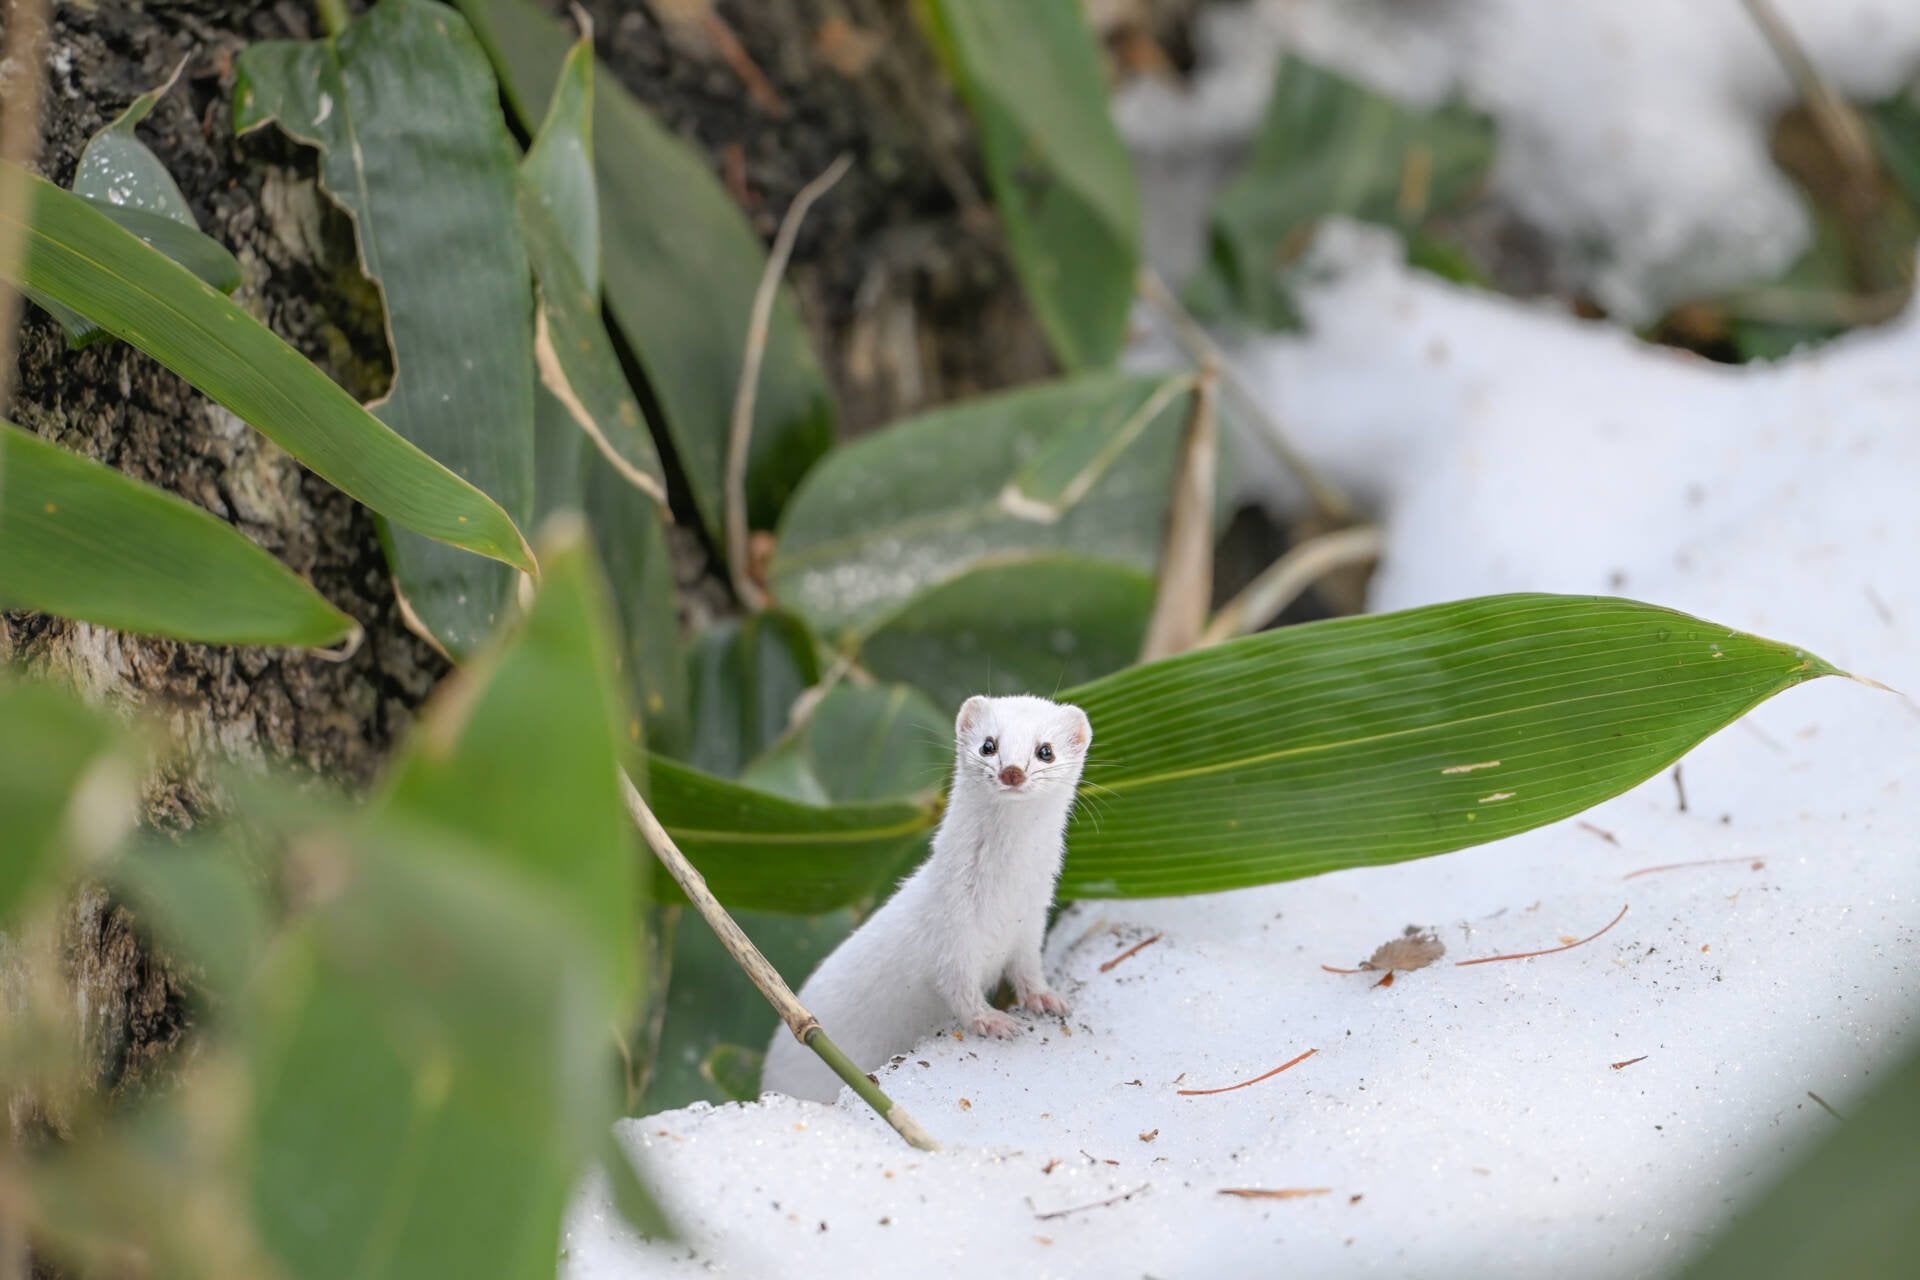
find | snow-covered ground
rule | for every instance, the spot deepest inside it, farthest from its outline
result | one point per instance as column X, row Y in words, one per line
column 1593, row 1112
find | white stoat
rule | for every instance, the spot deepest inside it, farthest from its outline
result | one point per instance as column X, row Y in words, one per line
column 975, row 911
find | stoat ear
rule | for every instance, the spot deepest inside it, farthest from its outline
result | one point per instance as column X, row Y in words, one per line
column 1081, row 734
column 970, row 712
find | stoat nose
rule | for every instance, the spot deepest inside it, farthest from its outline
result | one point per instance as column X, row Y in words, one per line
column 1012, row 776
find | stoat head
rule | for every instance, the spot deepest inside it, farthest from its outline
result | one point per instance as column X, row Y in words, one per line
column 1021, row 747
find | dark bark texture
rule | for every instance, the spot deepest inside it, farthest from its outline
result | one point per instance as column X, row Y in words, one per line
column 902, row 275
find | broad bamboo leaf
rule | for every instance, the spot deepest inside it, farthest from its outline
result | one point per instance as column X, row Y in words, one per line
column 77, row 256
column 560, row 222
column 631, row 539
column 1331, row 147
column 1851, row 1207
column 50, row 745
column 81, row 540
column 117, row 172
column 1895, row 128
column 1030, row 72
column 880, row 742
column 1013, row 475
column 1353, row 742
column 428, row 1064
column 745, row 678
column 763, row 852
column 1362, row 741
column 402, row 107
column 520, row 753
column 1024, row 626
column 671, row 232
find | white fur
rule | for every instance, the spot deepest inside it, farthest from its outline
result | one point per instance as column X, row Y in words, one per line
column 974, row 912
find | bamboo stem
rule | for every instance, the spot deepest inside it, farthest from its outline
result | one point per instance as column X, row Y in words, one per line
column 740, row 429
column 334, row 17
column 1185, row 580
column 1281, row 583
column 1201, row 348
column 1832, row 114
column 804, row 1026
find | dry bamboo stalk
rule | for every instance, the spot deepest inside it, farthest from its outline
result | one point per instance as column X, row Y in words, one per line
column 1185, row 581
column 740, row 430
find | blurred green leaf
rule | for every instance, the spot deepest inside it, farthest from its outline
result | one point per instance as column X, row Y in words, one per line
column 903, row 511
column 51, row 747
column 745, row 678
column 711, row 1003
column 1028, row 626
column 1849, row 1208
column 1327, row 147
column 1369, row 740
column 1031, row 73
column 429, row 1056
column 127, row 181
column 77, row 256
column 402, row 107
column 670, row 231
column 520, row 752
column 763, row 852
column 560, row 222
column 205, row 900
column 81, row 540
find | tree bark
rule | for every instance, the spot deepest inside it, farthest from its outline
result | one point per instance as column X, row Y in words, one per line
column 902, row 275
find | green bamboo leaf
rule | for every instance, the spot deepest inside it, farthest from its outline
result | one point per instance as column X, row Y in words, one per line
column 1362, row 741
column 1030, row 72
column 80, row 540
column 207, row 901
column 77, row 256
column 767, row 853
column 403, row 109
column 630, row 537
column 129, row 183
column 560, row 222
column 538, row 715
column 428, row 1064
column 50, row 747
column 1894, row 126
column 745, row 678
column 1330, row 147
column 672, row 232
column 1076, row 465
column 1024, row 626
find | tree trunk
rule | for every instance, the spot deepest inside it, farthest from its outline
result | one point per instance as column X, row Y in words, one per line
column 901, row 273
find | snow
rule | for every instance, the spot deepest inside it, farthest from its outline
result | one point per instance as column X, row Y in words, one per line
column 1632, row 132
column 1464, row 1119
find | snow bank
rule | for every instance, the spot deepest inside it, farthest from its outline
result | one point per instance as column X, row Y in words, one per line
column 1598, row 1111
column 1463, row 1119
column 1632, row 132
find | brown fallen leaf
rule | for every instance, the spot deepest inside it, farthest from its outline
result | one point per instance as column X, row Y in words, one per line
column 1416, row 948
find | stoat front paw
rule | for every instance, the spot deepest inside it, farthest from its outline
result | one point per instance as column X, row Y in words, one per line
column 1045, row 1000
column 994, row 1023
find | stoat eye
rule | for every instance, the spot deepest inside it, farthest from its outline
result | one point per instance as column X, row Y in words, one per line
column 1045, row 753
column 988, row 747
